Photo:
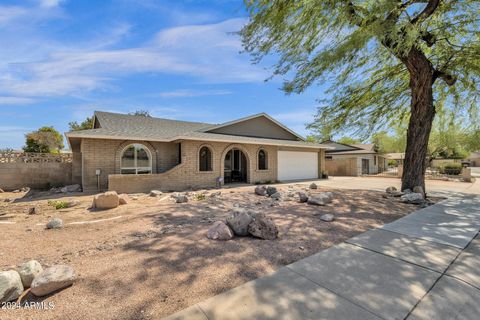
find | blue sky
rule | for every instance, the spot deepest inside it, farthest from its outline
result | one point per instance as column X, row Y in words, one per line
column 61, row 60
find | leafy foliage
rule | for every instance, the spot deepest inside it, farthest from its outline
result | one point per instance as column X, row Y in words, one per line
column 360, row 47
column 143, row 113
column 58, row 204
column 44, row 140
column 84, row 125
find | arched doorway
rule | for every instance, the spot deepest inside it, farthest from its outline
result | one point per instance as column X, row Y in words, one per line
column 235, row 166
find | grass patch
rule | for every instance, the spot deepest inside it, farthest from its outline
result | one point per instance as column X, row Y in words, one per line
column 58, row 204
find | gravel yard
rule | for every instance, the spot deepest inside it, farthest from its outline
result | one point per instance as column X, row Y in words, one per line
column 151, row 257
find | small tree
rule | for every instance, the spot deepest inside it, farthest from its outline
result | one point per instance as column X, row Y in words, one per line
column 84, row 125
column 44, row 140
column 142, row 113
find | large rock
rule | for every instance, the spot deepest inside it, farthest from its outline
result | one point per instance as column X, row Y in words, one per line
column 327, row 217
column 28, row 271
column 276, row 196
column 52, row 279
column 413, row 198
column 71, row 188
column 180, row 197
column 313, row 186
column 220, row 231
column 55, row 223
column 302, row 197
column 261, row 190
column 263, row 227
column 271, row 190
column 239, row 221
column 34, row 210
column 123, row 199
column 155, row 193
column 391, row 189
column 418, row 189
column 11, row 286
column 107, row 200
column 320, row 199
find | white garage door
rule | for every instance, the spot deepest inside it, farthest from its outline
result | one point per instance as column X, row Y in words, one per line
column 294, row 165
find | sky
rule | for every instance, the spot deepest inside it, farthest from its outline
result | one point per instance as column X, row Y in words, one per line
column 60, row 60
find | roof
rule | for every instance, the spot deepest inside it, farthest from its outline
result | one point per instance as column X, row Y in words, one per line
column 130, row 127
column 342, row 148
column 395, row 155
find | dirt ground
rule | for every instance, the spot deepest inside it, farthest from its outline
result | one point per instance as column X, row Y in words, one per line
column 151, row 258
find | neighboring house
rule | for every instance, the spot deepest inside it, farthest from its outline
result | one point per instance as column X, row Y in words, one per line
column 367, row 158
column 474, row 159
column 398, row 157
column 136, row 154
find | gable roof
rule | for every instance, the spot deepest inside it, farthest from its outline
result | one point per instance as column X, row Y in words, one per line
column 130, row 127
column 343, row 149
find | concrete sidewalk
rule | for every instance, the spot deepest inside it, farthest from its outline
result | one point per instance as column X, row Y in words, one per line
column 423, row 266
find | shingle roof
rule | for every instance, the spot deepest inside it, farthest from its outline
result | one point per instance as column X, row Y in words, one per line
column 129, row 127
column 359, row 148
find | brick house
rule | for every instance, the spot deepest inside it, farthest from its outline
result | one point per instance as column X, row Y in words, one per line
column 129, row 153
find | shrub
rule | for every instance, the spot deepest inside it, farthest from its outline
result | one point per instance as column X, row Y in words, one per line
column 453, row 168
column 58, row 204
column 200, row 197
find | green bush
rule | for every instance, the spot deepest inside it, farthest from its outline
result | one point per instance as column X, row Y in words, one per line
column 58, row 204
column 200, row 197
column 453, row 169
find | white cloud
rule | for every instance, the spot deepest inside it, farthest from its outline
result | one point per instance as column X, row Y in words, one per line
column 296, row 120
column 192, row 93
column 15, row 100
column 209, row 53
column 50, row 3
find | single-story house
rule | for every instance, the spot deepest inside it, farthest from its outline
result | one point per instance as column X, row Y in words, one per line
column 398, row 157
column 474, row 159
column 129, row 153
column 368, row 160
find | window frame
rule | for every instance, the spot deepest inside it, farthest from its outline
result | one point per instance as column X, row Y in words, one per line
column 136, row 168
column 209, row 162
column 266, row 160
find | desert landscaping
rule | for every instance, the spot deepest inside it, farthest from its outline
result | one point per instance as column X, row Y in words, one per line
column 151, row 256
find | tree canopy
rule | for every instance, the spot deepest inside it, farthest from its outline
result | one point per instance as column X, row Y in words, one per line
column 44, row 140
column 84, row 125
column 143, row 113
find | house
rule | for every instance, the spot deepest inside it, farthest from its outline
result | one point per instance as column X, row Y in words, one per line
column 129, row 153
column 396, row 157
column 474, row 159
column 364, row 158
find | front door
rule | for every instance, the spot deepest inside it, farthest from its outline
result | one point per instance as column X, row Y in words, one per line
column 235, row 166
column 365, row 166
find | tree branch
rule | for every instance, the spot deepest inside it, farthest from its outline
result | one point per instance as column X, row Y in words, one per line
column 427, row 12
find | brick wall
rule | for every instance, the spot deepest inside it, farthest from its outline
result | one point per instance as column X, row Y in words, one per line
column 34, row 175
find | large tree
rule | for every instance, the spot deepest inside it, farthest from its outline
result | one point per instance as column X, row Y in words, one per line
column 84, row 125
column 385, row 60
column 44, row 140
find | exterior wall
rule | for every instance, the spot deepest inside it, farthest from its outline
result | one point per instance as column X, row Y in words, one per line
column 187, row 175
column 342, row 167
column 373, row 166
column 34, row 175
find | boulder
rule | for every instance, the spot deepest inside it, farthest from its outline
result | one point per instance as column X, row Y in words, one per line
column 320, row 199
column 34, row 210
column 313, row 186
column 155, row 193
column 52, row 279
column 302, row 197
column 71, row 188
column 396, row 194
column 11, row 286
column 276, row 196
column 263, row 227
column 327, row 217
column 107, row 200
column 55, row 223
column 413, row 198
column 418, row 189
column 391, row 189
column 123, row 199
column 271, row 190
column 220, row 231
column 407, row 191
column 239, row 221
column 28, row 271
column 261, row 190
column 180, row 197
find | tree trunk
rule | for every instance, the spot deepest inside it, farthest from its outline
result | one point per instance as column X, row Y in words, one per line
column 422, row 113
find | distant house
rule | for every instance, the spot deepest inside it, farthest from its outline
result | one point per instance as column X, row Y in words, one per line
column 398, row 157
column 474, row 159
column 368, row 160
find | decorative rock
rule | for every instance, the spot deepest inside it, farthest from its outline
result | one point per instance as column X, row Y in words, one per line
column 55, row 223
column 28, row 271
column 407, row 191
column 276, row 196
column 155, row 193
column 180, row 197
column 263, row 228
column 239, row 221
column 320, row 199
column 418, row 189
column 327, row 217
column 261, row 190
column 34, row 210
column 123, row 199
column 313, row 186
column 391, row 189
column 11, row 286
column 71, row 188
column 302, row 197
column 413, row 198
column 107, row 200
column 220, row 231
column 271, row 190
column 52, row 279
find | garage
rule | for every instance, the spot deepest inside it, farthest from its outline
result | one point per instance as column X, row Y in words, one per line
column 295, row 165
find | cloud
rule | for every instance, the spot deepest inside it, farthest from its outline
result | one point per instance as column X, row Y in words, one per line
column 296, row 120
column 192, row 93
column 50, row 3
column 208, row 53
column 15, row 100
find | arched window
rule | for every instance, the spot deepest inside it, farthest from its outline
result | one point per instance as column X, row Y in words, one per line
column 136, row 159
column 205, row 158
column 262, row 160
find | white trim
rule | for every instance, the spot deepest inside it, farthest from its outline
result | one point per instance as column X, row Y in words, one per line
column 136, row 167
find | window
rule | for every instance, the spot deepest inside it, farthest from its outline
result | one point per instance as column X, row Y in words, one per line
column 262, row 160
column 136, row 159
column 205, row 159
